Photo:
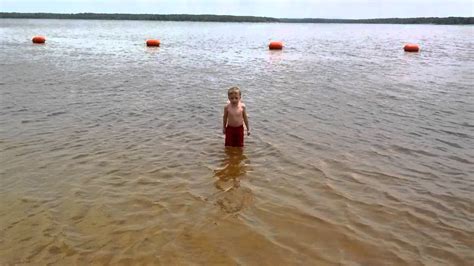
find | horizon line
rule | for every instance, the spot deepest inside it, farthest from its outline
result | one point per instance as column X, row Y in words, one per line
column 243, row 16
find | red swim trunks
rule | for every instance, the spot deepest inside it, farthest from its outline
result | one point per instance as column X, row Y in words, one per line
column 234, row 136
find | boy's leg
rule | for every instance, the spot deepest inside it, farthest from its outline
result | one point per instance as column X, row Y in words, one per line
column 239, row 136
column 228, row 137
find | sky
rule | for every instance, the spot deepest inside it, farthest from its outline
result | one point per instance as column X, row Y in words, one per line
column 350, row 9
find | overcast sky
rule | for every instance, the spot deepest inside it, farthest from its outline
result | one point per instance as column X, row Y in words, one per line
column 270, row 8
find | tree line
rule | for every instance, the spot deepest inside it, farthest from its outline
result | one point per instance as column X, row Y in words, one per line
column 228, row 18
column 423, row 20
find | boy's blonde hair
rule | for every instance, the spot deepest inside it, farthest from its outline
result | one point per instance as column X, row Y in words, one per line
column 234, row 89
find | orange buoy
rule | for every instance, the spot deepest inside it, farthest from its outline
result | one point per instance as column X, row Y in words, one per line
column 38, row 39
column 410, row 47
column 153, row 42
column 275, row 45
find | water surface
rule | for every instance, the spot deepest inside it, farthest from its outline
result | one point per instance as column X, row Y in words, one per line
column 112, row 152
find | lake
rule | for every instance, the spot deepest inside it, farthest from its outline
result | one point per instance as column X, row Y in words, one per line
column 113, row 153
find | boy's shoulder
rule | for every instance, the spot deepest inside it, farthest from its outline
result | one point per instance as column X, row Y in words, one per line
column 228, row 104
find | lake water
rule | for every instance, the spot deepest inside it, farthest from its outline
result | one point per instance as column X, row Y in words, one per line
column 112, row 152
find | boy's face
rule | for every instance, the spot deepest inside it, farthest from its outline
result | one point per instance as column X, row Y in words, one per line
column 234, row 97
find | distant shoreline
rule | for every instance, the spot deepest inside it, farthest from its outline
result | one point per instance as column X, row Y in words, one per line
column 228, row 18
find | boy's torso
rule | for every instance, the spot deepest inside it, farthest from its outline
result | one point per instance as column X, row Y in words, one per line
column 235, row 116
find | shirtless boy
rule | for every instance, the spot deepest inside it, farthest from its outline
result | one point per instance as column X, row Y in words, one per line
column 235, row 116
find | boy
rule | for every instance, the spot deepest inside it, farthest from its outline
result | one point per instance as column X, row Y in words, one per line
column 235, row 115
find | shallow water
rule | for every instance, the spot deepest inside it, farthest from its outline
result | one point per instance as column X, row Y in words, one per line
column 112, row 152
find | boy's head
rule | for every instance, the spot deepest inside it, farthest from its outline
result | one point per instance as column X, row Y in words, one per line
column 234, row 95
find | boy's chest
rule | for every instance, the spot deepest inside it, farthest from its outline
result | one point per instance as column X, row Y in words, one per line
column 235, row 111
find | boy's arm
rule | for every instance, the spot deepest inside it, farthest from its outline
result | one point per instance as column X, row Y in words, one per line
column 224, row 120
column 246, row 120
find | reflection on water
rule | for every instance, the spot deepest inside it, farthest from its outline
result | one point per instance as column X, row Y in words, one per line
column 232, row 198
column 232, row 170
column 275, row 56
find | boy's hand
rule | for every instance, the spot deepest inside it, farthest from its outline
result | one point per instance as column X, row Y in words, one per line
column 223, row 130
column 248, row 132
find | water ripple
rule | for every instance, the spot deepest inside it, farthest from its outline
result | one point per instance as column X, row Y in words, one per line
column 113, row 154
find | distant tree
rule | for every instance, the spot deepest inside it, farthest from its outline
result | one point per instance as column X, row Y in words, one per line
column 228, row 18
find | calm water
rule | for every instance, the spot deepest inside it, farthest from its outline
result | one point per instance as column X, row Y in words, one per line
column 112, row 152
